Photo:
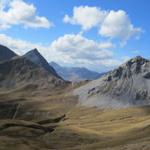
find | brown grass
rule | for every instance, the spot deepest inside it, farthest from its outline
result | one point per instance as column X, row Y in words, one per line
column 82, row 129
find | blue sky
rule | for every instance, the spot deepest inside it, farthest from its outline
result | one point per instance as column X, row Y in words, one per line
column 120, row 30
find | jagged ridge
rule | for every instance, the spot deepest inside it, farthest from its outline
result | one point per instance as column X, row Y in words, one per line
column 21, row 71
column 127, row 85
column 38, row 59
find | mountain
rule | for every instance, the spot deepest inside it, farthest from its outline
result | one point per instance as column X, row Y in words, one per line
column 6, row 53
column 20, row 71
column 75, row 73
column 38, row 59
column 38, row 110
column 127, row 85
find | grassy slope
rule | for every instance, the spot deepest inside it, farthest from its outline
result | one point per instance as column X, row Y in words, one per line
column 34, row 106
column 37, row 105
column 94, row 129
column 83, row 128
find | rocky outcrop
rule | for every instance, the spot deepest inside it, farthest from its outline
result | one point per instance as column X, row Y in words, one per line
column 127, row 85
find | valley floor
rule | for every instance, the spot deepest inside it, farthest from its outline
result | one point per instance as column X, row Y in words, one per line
column 81, row 128
column 94, row 129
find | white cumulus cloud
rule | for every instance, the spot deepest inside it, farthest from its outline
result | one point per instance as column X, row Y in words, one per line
column 86, row 16
column 118, row 25
column 77, row 46
column 18, row 12
column 110, row 23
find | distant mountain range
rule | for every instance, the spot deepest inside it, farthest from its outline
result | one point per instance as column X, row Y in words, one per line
column 75, row 73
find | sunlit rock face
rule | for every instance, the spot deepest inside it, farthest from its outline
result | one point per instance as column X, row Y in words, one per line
column 127, row 85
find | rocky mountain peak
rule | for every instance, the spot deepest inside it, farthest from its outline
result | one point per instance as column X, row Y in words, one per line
column 127, row 85
column 35, row 56
column 133, row 67
column 138, row 60
column 20, row 72
column 6, row 53
column 35, row 51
